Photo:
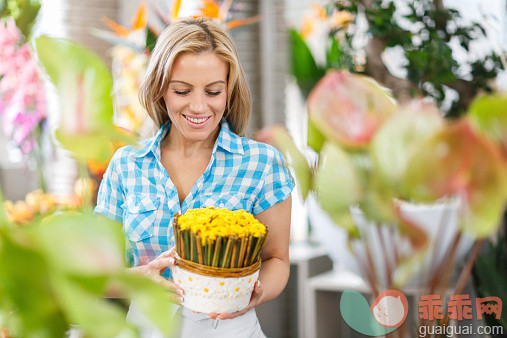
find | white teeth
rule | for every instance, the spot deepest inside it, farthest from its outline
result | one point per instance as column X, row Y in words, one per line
column 191, row 119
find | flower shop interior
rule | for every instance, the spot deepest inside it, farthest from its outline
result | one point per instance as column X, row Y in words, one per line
column 390, row 114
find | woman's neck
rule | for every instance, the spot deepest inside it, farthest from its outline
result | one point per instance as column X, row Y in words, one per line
column 176, row 142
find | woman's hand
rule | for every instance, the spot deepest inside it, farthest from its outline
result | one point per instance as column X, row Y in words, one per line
column 154, row 270
column 254, row 301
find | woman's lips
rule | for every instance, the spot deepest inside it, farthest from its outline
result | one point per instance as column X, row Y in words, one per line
column 198, row 121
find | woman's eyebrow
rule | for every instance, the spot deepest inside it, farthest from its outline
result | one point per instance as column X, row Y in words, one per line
column 188, row 84
column 212, row 83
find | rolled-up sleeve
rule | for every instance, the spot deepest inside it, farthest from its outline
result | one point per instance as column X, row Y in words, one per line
column 111, row 197
column 277, row 183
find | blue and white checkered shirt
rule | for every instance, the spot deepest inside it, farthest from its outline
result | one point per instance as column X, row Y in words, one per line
column 136, row 189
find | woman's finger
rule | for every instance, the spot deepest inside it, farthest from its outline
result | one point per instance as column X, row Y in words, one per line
column 224, row 316
column 168, row 284
column 168, row 253
column 161, row 263
column 256, row 295
column 257, row 292
column 212, row 315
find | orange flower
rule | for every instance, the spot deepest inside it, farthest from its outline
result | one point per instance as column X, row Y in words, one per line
column 175, row 9
column 308, row 26
column 138, row 21
column 4, row 333
column 214, row 10
column 319, row 12
column 340, row 19
column 97, row 168
column 140, row 17
column 18, row 213
column 210, row 9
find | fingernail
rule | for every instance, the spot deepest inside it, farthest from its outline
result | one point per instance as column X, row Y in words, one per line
column 180, row 299
column 171, row 261
column 258, row 283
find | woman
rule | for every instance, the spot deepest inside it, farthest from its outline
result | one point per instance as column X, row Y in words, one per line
column 196, row 92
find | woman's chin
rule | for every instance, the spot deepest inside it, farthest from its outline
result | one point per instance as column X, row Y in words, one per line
column 199, row 135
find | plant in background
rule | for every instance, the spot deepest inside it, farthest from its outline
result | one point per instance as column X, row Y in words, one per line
column 490, row 274
column 24, row 13
column 425, row 32
column 142, row 36
column 375, row 155
column 38, row 204
column 22, row 92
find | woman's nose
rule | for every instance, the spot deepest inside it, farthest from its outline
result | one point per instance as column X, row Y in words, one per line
column 198, row 103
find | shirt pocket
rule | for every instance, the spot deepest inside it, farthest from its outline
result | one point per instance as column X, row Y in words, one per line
column 140, row 216
column 231, row 201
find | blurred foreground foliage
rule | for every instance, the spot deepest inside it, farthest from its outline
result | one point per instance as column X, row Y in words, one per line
column 56, row 270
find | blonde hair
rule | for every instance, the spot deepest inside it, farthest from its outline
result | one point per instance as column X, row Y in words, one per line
column 195, row 36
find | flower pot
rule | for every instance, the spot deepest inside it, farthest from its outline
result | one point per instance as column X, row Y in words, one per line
column 215, row 290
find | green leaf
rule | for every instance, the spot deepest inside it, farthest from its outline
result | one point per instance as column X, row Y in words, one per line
column 464, row 163
column 29, row 9
column 95, row 145
column 304, row 67
column 398, row 138
column 151, row 40
column 337, row 185
column 490, row 277
column 153, row 300
column 24, row 13
column 96, row 316
column 296, row 161
column 25, row 282
column 337, row 56
column 3, row 214
column 84, row 85
column 315, row 138
column 82, row 244
column 487, row 114
column 333, row 55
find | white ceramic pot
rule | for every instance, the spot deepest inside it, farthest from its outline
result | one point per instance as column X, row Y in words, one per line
column 214, row 294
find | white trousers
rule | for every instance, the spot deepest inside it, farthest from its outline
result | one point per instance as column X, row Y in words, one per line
column 199, row 326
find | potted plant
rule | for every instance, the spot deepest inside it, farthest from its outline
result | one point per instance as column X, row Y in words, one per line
column 218, row 258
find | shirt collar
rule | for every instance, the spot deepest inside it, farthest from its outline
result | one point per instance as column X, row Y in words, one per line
column 226, row 140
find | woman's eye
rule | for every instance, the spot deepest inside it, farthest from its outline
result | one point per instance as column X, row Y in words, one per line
column 181, row 93
column 214, row 93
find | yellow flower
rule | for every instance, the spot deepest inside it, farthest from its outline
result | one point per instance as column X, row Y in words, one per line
column 210, row 222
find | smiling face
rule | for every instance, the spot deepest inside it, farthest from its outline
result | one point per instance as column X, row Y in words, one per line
column 197, row 96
